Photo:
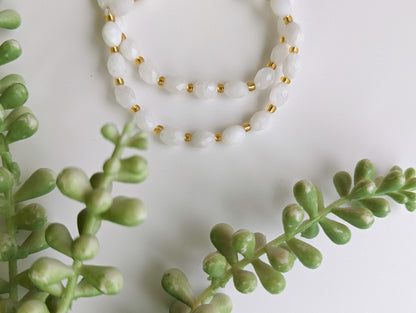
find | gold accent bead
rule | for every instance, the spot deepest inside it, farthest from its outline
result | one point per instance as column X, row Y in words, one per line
column 188, row 137
column 135, row 108
column 285, row 80
column 114, row 49
column 123, row 36
column 251, row 86
column 282, row 39
column 288, row 19
column 247, row 127
column 161, row 81
column 220, row 88
column 119, row 81
column 271, row 108
column 272, row 65
column 139, row 61
column 218, row 137
column 294, row 50
column 158, row 129
column 190, row 88
column 110, row 18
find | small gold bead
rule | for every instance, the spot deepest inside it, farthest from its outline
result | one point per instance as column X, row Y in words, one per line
column 272, row 65
column 251, row 86
column 247, row 127
column 119, row 81
column 220, row 88
column 282, row 39
column 218, row 137
column 161, row 81
column 294, row 50
column 110, row 18
column 288, row 19
column 271, row 108
column 158, row 129
column 190, row 88
column 285, row 80
column 135, row 108
column 114, row 49
column 188, row 137
column 139, row 61
column 123, row 36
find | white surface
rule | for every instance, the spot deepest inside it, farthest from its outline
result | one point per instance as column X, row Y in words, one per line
column 354, row 98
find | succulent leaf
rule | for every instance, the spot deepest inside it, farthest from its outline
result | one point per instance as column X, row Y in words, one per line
column 74, row 183
column 206, row 308
column 85, row 247
column 133, row 170
column 47, row 271
column 110, row 132
column 33, row 306
column 308, row 255
column 8, row 247
column 222, row 302
column 9, row 19
column 35, row 242
column 364, row 170
column 337, row 232
column 31, row 217
column 363, row 189
column 280, row 259
column 342, row 182
column 179, row 307
column 23, row 127
column 244, row 281
column 10, row 50
column 215, row 264
column 271, row 279
column 306, row 195
column 292, row 217
column 378, row 206
column 175, row 283
column 98, row 201
column 244, row 242
column 59, row 238
column 14, row 96
column 311, row 232
column 126, row 211
column 85, row 289
column 41, row 182
column 392, row 182
column 107, row 280
column 221, row 236
column 359, row 217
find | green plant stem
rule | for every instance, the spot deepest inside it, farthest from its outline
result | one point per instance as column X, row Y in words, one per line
column 68, row 295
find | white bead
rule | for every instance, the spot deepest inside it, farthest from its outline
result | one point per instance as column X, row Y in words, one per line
column 236, row 89
column 176, row 85
column 103, row 3
column 281, row 7
column 172, row 137
column 148, row 73
column 260, row 120
column 233, row 135
column 116, row 65
column 146, row 121
column 292, row 33
column 205, row 90
column 128, row 49
column 121, row 22
column 121, row 7
column 280, row 53
column 202, row 138
column 125, row 96
column 264, row 78
column 292, row 65
column 111, row 34
column 279, row 94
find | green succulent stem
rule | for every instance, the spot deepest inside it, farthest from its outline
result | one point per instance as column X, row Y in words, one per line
column 68, row 295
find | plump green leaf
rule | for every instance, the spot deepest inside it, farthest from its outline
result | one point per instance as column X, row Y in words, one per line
column 9, row 80
column 6, row 179
column 292, row 217
column 280, row 258
column 85, row 247
column 244, row 281
column 38, row 184
column 35, row 242
column 221, row 236
column 215, row 264
column 30, row 217
column 94, row 223
column 244, row 242
column 342, row 182
column 363, row 189
column 272, row 280
column 138, row 141
column 206, row 308
column 59, row 238
column 9, row 19
column 85, row 289
column 306, row 195
column 23, row 127
column 337, row 232
column 359, row 217
column 14, row 96
column 8, row 247
column 364, row 170
column 378, row 206
column 74, row 183
column 222, row 303
column 175, row 283
column 392, row 182
column 311, row 232
column 110, row 132
column 47, row 271
column 106, row 279
column 133, row 170
column 98, row 201
column 307, row 254
column 179, row 307
column 10, row 50
column 126, row 211
column 261, row 240
column 398, row 197
column 33, row 306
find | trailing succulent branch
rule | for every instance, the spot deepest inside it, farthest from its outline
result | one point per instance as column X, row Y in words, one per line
column 360, row 200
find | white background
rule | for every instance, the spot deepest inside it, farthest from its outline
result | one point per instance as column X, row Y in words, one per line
column 353, row 99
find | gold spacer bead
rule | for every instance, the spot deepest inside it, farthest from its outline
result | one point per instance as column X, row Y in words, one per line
column 288, row 19
column 119, row 81
column 285, row 80
column 272, row 65
column 139, row 61
column 218, row 137
column 188, row 137
column 282, row 39
column 251, row 86
column 123, row 36
column 161, row 81
column 247, row 127
column 294, row 50
column 158, row 129
column 220, row 88
column 190, row 88
column 110, row 18
column 271, row 108
column 135, row 108
column 114, row 49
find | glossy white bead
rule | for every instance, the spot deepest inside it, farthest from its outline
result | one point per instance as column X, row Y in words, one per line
column 176, row 85
column 121, row 7
column 292, row 65
column 103, row 3
column 205, row 90
column 125, row 96
column 292, row 33
column 111, row 34
column 280, row 53
column 171, row 136
column 233, row 135
column 279, row 94
column 146, row 120
column 128, row 49
column 281, row 7
column 202, row 138
column 116, row 65
column 260, row 120
column 264, row 78
column 148, row 73
column 236, row 89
